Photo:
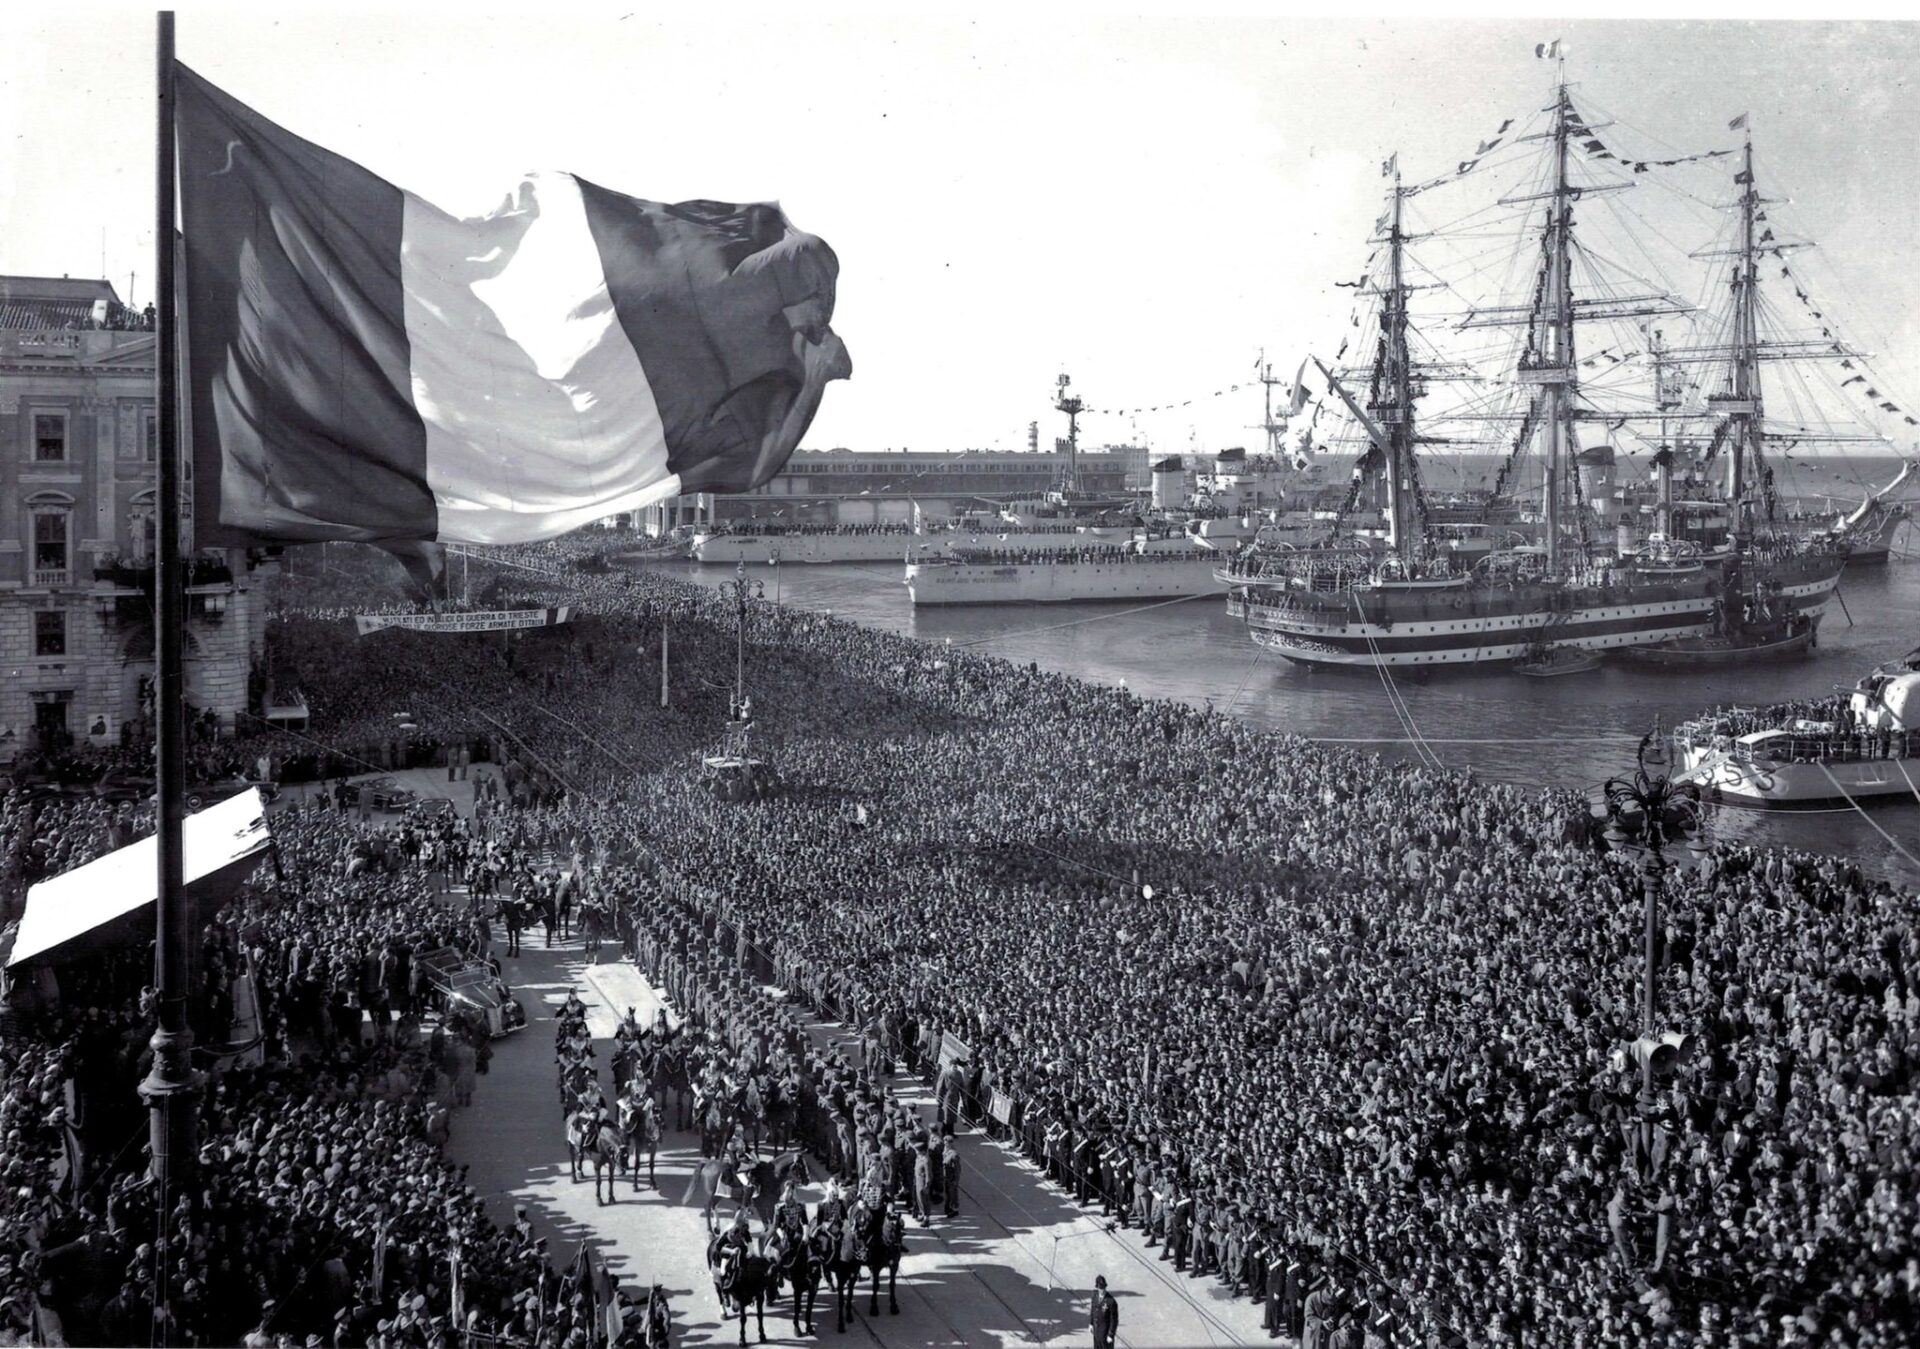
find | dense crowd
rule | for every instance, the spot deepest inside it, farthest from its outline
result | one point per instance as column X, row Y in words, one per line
column 323, row 1210
column 1342, row 1033
column 1370, row 1020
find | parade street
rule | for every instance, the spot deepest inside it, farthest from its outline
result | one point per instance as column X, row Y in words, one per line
column 1015, row 1267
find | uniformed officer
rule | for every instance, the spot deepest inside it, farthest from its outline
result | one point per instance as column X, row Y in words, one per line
column 950, row 1172
column 922, row 1181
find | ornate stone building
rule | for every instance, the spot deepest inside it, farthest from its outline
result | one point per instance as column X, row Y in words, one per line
column 77, row 475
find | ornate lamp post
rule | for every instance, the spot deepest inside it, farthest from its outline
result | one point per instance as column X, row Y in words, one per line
column 1646, row 814
column 742, row 590
column 736, row 773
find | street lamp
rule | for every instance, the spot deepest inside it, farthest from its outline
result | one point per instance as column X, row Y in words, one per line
column 743, row 590
column 1645, row 814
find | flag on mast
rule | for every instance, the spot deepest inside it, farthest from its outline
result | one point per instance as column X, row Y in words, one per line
column 1738, row 124
column 364, row 365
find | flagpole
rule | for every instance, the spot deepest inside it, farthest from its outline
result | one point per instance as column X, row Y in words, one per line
column 169, row 1087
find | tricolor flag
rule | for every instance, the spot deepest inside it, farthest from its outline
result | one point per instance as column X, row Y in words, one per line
column 363, row 365
column 1547, row 51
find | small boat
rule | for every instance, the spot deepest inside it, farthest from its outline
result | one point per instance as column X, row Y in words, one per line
column 1547, row 661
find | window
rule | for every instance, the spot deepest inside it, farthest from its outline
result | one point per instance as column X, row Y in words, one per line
column 150, row 437
column 50, row 547
column 49, row 632
column 49, row 437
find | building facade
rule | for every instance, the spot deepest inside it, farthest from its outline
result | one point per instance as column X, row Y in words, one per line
column 78, row 441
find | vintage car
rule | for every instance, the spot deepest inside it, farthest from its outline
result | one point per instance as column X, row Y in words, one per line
column 390, row 795
column 469, row 989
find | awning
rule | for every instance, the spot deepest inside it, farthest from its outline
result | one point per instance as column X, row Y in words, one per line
column 219, row 843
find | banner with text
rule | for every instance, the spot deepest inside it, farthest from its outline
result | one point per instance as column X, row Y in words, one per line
column 490, row 620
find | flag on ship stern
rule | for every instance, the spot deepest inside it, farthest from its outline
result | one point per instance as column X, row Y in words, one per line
column 364, row 365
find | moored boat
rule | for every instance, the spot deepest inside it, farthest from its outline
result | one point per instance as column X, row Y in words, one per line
column 1853, row 746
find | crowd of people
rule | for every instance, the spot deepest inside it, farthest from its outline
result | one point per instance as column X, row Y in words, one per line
column 1371, row 1020
column 323, row 1210
column 1350, row 1036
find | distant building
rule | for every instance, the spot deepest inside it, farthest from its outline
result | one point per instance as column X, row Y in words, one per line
column 78, row 439
column 870, row 486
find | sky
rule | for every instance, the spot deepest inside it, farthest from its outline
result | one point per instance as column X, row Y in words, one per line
column 1143, row 203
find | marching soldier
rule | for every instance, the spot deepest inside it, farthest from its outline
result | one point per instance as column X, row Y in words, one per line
column 1275, row 1316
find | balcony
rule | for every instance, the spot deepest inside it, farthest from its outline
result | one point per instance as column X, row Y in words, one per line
column 50, row 578
column 128, row 574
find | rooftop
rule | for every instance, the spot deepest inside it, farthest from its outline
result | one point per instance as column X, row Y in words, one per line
column 28, row 302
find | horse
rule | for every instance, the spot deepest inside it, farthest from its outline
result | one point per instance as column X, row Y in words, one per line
column 743, row 1279
column 884, row 1237
column 796, row 1260
column 604, row 1152
column 640, row 1128
column 715, row 1126
column 842, row 1264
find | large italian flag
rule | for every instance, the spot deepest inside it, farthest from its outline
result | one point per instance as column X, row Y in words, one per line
column 362, row 365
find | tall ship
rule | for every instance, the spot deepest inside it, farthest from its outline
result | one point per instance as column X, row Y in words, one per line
column 1533, row 564
column 1859, row 743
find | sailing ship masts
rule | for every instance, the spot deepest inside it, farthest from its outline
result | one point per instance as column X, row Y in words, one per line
column 1664, row 402
column 1746, row 335
column 1399, row 390
column 1559, row 354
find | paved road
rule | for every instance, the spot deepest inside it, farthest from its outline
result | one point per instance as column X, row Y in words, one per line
column 1016, row 1267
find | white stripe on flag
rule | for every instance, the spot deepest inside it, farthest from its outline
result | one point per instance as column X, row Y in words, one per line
column 539, row 417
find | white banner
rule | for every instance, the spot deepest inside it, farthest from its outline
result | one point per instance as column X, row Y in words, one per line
column 489, row 620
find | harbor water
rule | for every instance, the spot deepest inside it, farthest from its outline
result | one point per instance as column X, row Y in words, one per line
column 1573, row 731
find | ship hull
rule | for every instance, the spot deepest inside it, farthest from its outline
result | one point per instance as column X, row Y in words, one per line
column 1486, row 628
column 1694, row 652
column 822, row 548
column 1773, row 784
column 1041, row 582
column 828, row 547
column 1806, row 583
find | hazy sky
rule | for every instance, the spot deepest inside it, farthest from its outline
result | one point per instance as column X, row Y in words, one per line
column 1143, row 203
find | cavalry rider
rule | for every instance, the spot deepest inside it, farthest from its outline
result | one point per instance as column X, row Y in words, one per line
column 737, row 1239
column 833, row 1208
column 597, row 1119
column 573, row 1009
column 790, row 1215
